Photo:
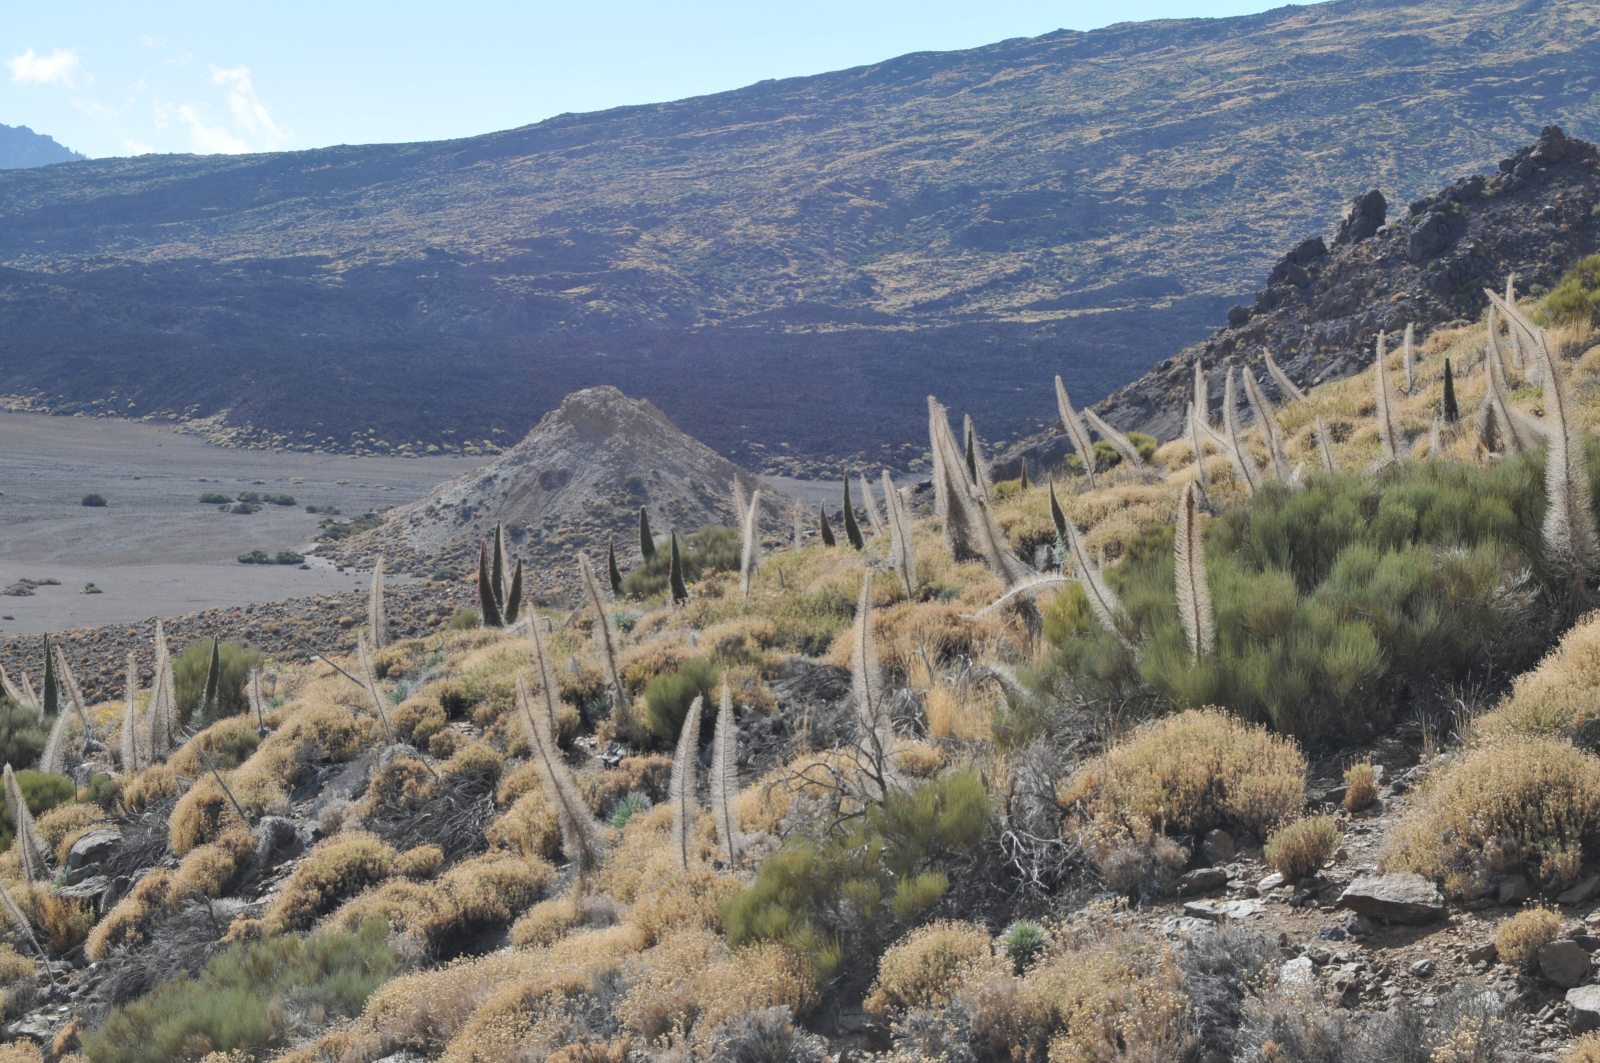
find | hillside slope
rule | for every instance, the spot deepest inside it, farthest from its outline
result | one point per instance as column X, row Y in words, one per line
column 786, row 267
column 933, row 830
column 1386, row 266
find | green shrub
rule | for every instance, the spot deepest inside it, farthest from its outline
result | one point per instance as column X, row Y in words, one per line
column 41, row 793
column 237, row 1001
column 463, row 619
column 706, row 551
column 214, row 498
column 838, row 900
column 1577, row 298
column 632, row 803
column 1330, row 601
column 1106, row 456
column 189, row 677
column 668, row 696
column 93, row 501
column 22, row 733
column 1022, row 943
column 105, row 791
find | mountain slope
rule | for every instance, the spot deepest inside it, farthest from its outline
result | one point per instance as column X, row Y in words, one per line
column 771, row 265
column 1425, row 265
column 21, row 148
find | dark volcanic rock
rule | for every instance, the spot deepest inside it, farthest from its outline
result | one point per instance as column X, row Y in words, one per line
column 1365, row 216
column 1564, row 963
column 1437, row 230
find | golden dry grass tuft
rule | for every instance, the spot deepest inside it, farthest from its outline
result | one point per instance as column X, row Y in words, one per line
column 1361, row 786
column 1557, row 697
column 925, row 967
column 421, row 862
column 150, row 900
column 1585, row 1049
column 337, row 869
column 1526, row 804
column 1299, row 849
column 1183, row 775
column 1517, row 941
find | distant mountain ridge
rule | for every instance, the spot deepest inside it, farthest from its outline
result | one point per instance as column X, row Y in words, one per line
column 785, row 269
column 21, row 148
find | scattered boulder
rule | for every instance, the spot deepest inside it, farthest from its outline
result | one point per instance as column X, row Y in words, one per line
column 1292, row 269
column 1297, row 972
column 86, row 889
column 1185, row 926
column 1584, row 1005
column 277, row 838
column 1396, row 898
column 89, row 851
column 36, row 1028
column 1514, row 889
column 1564, row 963
column 1202, row 880
column 1218, row 846
column 1224, row 911
column 1581, row 892
column 1437, row 230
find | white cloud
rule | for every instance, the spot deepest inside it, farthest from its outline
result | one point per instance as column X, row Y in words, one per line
column 60, row 67
column 136, row 147
column 206, row 138
column 250, row 115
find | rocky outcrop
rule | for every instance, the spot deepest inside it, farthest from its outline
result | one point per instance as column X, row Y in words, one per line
column 1322, row 308
column 1364, row 217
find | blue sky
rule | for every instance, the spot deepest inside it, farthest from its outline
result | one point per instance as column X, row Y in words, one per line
column 122, row 78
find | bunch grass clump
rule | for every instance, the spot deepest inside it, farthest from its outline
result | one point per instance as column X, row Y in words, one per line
column 1517, row 941
column 1180, row 777
column 1299, row 849
column 1360, row 786
column 1518, row 803
column 1557, row 697
column 925, row 967
column 338, row 868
